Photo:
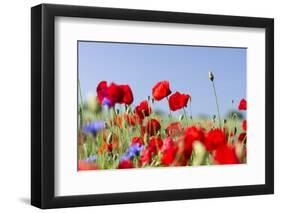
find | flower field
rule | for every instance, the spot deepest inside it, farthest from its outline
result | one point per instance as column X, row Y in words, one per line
column 115, row 134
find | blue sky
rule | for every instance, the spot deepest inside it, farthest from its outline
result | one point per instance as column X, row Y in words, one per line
column 185, row 67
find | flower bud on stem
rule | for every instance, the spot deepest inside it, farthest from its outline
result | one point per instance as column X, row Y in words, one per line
column 211, row 77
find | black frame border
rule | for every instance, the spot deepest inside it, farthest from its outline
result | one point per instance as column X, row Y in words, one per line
column 43, row 110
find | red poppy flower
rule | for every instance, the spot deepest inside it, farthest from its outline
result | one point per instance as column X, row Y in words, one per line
column 174, row 129
column 226, row 154
column 169, row 156
column 242, row 105
column 143, row 109
column 214, row 139
column 115, row 93
column 169, row 151
column 168, row 143
column 125, row 164
column 155, row 144
column 112, row 94
column 128, row 97
column 161, row 90
column 152, row 127
column 145, row 157
column 138, row 140
column 244, row 125
column 109, row 147
column 192, row 134
column 83, row 165
column 184, row 151
column 101, row 91
column 242, row 137
column 178, row 101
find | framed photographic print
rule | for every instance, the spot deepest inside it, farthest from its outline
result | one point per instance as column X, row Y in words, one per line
column 140, row 106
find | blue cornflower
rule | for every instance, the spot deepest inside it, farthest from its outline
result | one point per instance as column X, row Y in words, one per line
column 133, row 151
column 107, row 102
column 135, row 148
column 131, row 155
column 91, row 159
column 125, row 156
column 94, row 127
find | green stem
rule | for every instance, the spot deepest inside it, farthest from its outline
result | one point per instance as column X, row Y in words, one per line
column 170, row 115
column 190, row 108
column 232, row 125
column 217, row 103
column 185, row 115
column 81, row 104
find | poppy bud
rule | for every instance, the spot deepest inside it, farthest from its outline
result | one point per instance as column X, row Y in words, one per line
column 181, row 117
column 211, row 76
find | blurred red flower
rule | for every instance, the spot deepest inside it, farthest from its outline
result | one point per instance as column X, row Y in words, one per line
column 128, row 97
column 152, row 127
column 109, row 147
column 168, row 156
column 242, row 105
column 155, row 144
column 178, row 101
column 169, row 152
column 244, row 125
column 168, row 143
column 184, row 151
column 143, row 109
column 161, row 90
column 112, row 94
column 138, row 140
column 115, row 93
column 192, row 134
column 145, row 157
column 174, row 129
column 83, row 165
column 214, row 139
column 101, row 91
column 125, row 164
column 242, row 137
column 226, row 154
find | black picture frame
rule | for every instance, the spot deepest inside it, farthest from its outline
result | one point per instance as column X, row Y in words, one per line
column 43, row 102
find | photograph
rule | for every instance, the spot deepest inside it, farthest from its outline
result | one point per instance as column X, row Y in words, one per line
column 170, row 105
column 148, row 105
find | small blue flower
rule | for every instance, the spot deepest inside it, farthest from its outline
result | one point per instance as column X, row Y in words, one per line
column 91, row 159
column 107, row 102
column 94, row 127
column 125, row 156
column 132, row 152
column 131, row 155
column 135, row 148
